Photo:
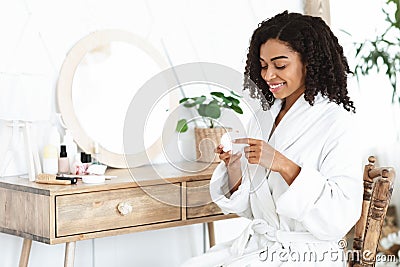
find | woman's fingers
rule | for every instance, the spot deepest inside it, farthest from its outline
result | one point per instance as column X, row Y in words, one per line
column 230, row 158
column 234, row 160
column 248, row 141
column 225, row 155
column 256, row 152
column 252, row 155
column 219, row 149
column 235, row 157
column 249, row 149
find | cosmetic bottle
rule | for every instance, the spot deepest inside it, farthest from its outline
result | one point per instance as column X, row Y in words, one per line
column 63, row 162
column 50, row 159
column 83, row 157
column 50, row 152
column 96, row 153
column 54, row 138
column 77, row 165
column 86, row 160
column 72, row 148
column 89, row 159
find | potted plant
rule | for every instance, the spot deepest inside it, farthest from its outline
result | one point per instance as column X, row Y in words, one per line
column 209, row 110
column 382, row 52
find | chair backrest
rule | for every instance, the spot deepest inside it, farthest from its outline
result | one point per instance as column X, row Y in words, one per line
column 378, row 187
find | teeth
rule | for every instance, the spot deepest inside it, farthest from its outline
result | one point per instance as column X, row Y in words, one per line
column 273, row 86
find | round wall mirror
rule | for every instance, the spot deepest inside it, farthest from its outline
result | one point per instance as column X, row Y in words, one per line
column 98, row 79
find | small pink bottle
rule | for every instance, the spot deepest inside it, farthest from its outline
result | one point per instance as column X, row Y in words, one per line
column 77, row 166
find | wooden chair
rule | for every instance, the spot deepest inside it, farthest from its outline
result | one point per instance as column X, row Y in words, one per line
column 378, row 187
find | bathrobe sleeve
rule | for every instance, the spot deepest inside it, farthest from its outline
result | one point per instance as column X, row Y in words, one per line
column 327, row 200
column 238, row 202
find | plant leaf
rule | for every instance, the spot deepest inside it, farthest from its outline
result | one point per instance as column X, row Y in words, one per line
column 217, row 94
column 226, row 100
column 212, row 111
column 200, row 99
column 233, row 100
column 237, row 109
column 234, row 94
column 181, row 126
column 202, row 110
column 189, row 105
column 183, row 100
column 214, row 102
column 360, row 46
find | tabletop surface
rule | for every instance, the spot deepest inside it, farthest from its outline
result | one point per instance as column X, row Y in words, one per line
column 134, row 177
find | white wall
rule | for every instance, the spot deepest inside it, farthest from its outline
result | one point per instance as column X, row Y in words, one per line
column 373, row 93
column 36, row 36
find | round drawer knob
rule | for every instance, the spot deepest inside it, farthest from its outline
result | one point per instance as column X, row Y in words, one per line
column 124, row 208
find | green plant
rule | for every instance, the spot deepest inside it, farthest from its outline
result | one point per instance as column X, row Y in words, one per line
column 384, row 50
column 209, row 108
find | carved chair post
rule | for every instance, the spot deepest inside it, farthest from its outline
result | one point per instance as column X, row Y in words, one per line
column 378, row 187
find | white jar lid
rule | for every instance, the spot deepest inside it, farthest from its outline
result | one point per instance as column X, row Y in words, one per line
column 93, row 179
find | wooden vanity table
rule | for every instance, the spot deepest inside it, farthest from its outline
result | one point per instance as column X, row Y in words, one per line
column 139, row 199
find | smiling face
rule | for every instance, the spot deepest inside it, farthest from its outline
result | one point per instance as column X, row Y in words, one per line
column 283, row 70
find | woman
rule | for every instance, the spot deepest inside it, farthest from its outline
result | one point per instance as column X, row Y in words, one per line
column 300, row 178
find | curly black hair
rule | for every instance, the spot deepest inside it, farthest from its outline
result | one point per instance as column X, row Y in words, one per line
column 319, row 49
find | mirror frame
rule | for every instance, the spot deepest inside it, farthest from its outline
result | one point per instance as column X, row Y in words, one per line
column 64, row 92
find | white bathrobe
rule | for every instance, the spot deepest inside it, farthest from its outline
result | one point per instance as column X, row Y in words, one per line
column 301, row 224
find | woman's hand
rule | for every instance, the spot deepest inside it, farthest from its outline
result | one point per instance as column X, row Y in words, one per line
column 261, row 153
column 232, row 163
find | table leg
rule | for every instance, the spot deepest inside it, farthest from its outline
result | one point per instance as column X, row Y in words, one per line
column 211, row 233
column 26, row 249
column 69, row 254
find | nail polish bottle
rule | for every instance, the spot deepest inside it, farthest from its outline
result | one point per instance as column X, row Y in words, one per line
column 63, row 162
column 77, row 166
column 86, row 159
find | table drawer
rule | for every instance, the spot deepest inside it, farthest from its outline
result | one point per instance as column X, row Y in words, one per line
column 199, row 203
column 103, row 210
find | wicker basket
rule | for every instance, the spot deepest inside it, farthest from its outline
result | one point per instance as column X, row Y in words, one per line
column 207, row 139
